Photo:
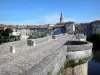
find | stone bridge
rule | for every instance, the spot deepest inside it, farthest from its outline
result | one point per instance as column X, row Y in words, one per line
column 48, row 55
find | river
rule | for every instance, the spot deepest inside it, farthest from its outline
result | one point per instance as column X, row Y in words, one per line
column 93, row 67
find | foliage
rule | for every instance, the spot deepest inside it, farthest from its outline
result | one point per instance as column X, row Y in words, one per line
column 60, row 71
column 7, row 31
column 1, row 36
column 1, row 39
column 49, row 73
column 69, row 63
column 95, row 39
column 4, row 36
column 37, row 35
column 98, row 32
column 72, row 63
column 82, row 61
column 1, row 31
column 32, row 37
column 43, row 35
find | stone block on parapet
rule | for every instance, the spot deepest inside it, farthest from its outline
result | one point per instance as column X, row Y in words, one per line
column 30, row 43
column 12, row 49
column 53, row 36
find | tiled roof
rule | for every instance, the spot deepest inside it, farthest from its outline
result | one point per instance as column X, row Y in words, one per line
column 44, row 26
column 32, row 26
column 11, row 27
column 96, row 21
column 21, row 27
column 51, row 27
column 14, row 26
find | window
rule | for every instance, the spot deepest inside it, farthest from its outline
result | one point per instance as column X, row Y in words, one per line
column 94, row 30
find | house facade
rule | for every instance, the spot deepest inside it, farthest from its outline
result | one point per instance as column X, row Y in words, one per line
column 87, row 29
column 95, row 26
column 70, row 27
column 27, row 30
column 91, row 28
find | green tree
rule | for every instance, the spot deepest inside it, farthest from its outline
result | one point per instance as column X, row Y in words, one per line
column 7, row 32
column 1, row 33
column 95, row 39
column 98, row 32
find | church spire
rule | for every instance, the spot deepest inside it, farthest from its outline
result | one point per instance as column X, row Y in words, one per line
column 61, row 18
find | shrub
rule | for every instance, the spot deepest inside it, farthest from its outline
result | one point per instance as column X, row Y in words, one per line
column 1, row 40
column 32, row 37
column 6, row 39
column 1, row 31
column 1, row 36
column 43, row 35
column 7, row 31
column 69, row 63
column 60, row 71
column 49, row 73
column 72, row 63
column 95, row 39
column 37, row 35
column 11, row 39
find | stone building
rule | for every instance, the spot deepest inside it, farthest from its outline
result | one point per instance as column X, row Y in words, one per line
column 95, row 26
column 86, row 29
column 91, row 28
column 70, row 27
column 26, row 30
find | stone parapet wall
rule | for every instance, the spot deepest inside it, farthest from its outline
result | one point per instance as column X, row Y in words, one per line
column 5, row 47
column 84, row 49
column 22, row 44
column 81, row 47
column 46, row 39
column 40, row 40
column 79, row 54
column 51, row 63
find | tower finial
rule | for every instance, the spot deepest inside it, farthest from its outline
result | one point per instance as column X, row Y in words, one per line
column 61, row 18
column 61, row 14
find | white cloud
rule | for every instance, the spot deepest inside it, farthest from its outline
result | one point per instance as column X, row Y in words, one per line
column 51, row 19
column 25, row 22
column 78, row 21
column 47, row 19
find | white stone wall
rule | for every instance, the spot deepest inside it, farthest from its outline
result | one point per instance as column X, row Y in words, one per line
column 79, row 51
column 79, row 54
column 23, row 31
column 70, row 28
column 24, row 37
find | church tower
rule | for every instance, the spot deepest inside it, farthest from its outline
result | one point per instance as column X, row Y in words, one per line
column 61, row 18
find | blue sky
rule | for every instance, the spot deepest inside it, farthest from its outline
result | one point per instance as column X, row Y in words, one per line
column 29, row 12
